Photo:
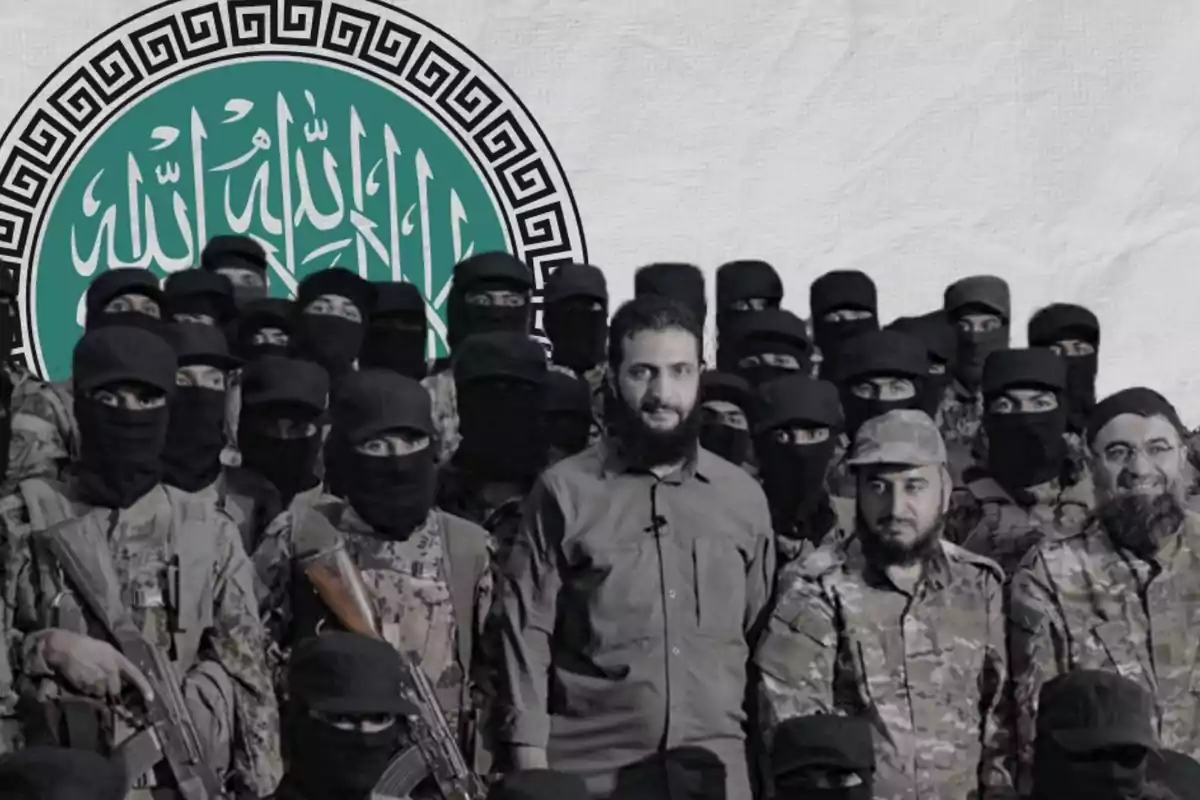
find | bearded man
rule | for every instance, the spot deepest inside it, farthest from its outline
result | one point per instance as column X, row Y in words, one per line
column 1123, row 594
column 631, row 597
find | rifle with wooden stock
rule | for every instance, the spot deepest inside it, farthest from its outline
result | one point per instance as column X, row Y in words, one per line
column 435, row 752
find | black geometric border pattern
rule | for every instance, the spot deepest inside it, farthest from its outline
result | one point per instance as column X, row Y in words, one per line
column 370, row 36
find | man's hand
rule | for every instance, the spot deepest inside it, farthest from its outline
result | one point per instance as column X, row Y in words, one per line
column 91, row 666
column 529, row 758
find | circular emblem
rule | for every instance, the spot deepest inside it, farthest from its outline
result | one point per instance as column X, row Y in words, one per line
column 344, row 133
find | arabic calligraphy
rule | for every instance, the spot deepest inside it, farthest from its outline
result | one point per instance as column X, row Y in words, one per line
column 319, row 176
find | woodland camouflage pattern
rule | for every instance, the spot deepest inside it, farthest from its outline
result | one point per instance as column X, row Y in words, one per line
column 409, row 585
column 226, row 625
column 1081, row 603
column 927, row 671
column 45, row 436
column 985, row 519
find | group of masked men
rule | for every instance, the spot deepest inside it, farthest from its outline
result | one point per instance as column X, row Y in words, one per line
column 849, row 561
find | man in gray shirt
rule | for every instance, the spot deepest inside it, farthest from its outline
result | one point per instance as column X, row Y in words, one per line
column 631, row 599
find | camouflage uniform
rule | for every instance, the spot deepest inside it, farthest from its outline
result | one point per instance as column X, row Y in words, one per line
column 1082, row 603
column 253, row 502
column 45, row 435
column 464, row 496
column 211, row 627
column 444, row 398
column 431, row 593
column 927, row 670
column 960, row 414
column 987, row 520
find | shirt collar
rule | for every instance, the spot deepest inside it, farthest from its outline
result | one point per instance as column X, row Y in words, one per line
column 698, row 465
column 936, row 575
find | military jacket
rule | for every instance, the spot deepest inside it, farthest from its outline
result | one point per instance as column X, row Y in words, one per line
column 45, row 434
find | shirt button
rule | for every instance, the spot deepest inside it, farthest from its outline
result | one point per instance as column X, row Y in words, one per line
column 674, row 651
column 671, row 594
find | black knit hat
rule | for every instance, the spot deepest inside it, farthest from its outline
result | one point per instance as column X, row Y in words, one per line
column 1036, row 366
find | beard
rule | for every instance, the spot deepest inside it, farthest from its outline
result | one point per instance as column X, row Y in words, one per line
column 889, row 550
column 1141, row 523
column 649, row 447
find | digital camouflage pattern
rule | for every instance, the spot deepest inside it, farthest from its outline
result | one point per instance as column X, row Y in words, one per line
column 45, row 436
column 988, row 521
column 444, row 399
column 217, row 623
column 409, row 584
column 927, row 671
column 1082, row 603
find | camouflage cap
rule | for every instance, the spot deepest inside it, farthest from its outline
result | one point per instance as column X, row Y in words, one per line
column 904, row 436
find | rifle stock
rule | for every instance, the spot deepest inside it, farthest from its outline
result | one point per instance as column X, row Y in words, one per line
column 170, row 732
column 338, row 583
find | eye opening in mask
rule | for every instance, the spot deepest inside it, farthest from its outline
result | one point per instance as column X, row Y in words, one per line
column 363, row 723
column 847, row 314
column 496, row 298
column 335, row 305
column 1024, row 400
column 282, row 421
column 133, row 302
column 886, row 388
column 393, row 444
column 132, row 396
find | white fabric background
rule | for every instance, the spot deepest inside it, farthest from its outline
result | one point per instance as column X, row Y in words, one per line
column 1052, row 142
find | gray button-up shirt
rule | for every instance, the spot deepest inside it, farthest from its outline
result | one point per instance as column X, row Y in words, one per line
column 627, row 608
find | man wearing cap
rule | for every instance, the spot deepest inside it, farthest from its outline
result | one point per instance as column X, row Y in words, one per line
column 726, row 404
column 262, row 327
column 345, row 717
column 1123, row 593
column 397, row 331
column 180, row 571
column 490, row 293
column 636, row 585
column 501, row 384
column 765, row 345
column 744, row 287
column 330, row 326
column 941, row 346
column 823, row 757
column 1028, row 486
column 45, row 436
column 980, row 310
column 843, row 304
column 898, row 626
column 1095, row 738
column 427, row 573
column 279, row 437
column 196, row 430
column 240, row 259
column 796, row 431
column 199, row 297
column 575, row 318
column 1074, row 333
column 878, row 371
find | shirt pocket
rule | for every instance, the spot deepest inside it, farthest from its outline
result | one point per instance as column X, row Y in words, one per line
column 720, row 585
column 1113, row 648
column 620, row 588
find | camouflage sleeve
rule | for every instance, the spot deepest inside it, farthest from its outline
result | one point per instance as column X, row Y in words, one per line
column 444, row 400
column 797, row 655
column 996, row 746
column 24, row 576
column 1036, row 634
column 39, row 446
column 272, row 562
column 238, row 644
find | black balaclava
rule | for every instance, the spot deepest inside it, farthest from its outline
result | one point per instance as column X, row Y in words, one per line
column 805, row 750
column 241, row 252
column 486, row 272
column 108, row 286
column 833, row 291
column 568, row 412
column 773, row 331
column 880, row 353
column 393, row 494
column 120, row 449
column 333, row 342
column 731, row 444
column 683, row 283
column 1094, row 736
column 196, row 431
column 793, row 475
column 1025, row 449
column 397, row 330
column 576, row 316
column 1056, row 323
column 984, row 294
column 60, row 773
column 274, row 388
column 500, row 381
column 740, row 281
column 941, row 344
column 350, row 675
column 199, row 292
column 271, row 312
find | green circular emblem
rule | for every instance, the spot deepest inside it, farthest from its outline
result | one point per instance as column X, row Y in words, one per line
column 335, row 133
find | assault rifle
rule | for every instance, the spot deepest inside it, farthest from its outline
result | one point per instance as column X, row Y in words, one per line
column 435, row 752
column 169, row 734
